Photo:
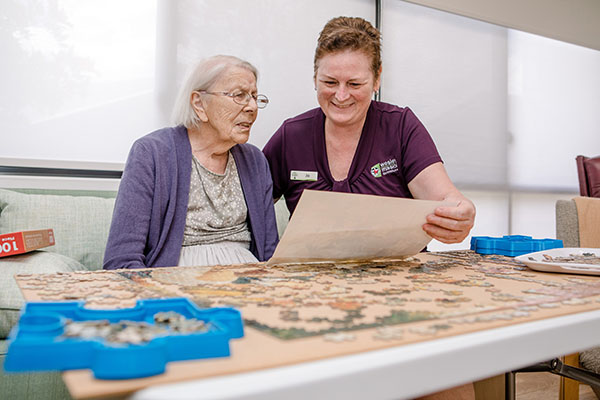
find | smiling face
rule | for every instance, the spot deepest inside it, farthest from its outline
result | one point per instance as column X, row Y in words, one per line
column 345, row 84
column 226, row 120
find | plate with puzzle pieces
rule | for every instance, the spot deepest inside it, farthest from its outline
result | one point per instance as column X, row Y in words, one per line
column 568, row 260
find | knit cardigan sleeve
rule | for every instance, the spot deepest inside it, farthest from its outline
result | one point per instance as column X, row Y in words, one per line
column 130, row 224
column 151, row 206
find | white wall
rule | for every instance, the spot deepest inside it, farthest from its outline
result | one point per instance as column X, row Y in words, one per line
column 77, row 78
column 451, row 71
column 554, row 103
column 278, row 37
column 533, row 214
column 82, row 79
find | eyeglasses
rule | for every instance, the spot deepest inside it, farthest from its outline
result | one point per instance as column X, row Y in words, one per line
column 242, row 98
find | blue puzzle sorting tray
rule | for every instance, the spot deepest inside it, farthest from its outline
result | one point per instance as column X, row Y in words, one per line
column 512, row 245
column 36, row 343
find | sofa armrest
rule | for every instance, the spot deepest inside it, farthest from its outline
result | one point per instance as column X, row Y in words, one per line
column 567, row 223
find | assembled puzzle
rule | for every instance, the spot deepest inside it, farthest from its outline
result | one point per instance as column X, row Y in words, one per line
column 302, row 312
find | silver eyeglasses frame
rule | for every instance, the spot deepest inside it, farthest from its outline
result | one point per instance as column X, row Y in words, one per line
column 241, row 97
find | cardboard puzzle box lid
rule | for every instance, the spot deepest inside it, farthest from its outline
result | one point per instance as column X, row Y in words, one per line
column 25, row 241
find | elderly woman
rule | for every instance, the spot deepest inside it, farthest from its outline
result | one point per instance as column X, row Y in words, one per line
column 197, row 193
column 354, row 144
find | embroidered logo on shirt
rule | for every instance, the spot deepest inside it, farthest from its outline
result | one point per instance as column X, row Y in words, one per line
column 387, row 167
column 303, row 175
column 376, row 170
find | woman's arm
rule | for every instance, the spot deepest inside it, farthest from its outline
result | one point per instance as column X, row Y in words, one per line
column 133, row 209
column 447, row 224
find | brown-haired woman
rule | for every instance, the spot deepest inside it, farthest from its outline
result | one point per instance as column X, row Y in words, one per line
column 354, row 144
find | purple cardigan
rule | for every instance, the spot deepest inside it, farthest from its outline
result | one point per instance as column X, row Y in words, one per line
column 151, row 206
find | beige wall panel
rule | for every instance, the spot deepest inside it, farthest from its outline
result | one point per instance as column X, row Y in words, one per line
column 576, row 21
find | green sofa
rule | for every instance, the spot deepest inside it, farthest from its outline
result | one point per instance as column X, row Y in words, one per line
column 81, row 220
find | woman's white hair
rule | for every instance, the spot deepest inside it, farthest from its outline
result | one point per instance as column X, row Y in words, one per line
column 202, row 77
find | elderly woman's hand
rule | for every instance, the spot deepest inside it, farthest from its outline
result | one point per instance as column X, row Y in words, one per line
column 450, row 224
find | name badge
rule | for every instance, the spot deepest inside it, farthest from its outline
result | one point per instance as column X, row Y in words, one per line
column 303, row 175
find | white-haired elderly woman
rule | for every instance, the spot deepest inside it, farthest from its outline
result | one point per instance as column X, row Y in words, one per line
column 197, row 193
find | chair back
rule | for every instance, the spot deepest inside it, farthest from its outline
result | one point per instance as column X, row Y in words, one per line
column 588, row 170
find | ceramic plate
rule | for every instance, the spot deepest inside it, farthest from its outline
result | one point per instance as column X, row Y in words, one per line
column 541, row 261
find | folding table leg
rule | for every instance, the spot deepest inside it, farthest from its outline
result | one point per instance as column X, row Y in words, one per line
column 509, row 386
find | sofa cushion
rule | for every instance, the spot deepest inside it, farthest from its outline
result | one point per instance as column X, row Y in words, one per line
column 11, row 299
column 80, row 223
column 282, row 216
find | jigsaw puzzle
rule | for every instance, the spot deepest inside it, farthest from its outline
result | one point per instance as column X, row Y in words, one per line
column 295, row 301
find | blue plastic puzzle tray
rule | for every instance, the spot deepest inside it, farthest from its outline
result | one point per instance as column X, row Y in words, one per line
column 37, row 344
column 512, row 245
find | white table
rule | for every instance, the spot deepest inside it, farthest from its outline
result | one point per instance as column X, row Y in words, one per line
column 404, row 371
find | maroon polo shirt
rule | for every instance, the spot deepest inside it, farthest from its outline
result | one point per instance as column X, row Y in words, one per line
column 393, row 148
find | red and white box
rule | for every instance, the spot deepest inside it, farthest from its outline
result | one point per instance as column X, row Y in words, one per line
column 24, row 242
